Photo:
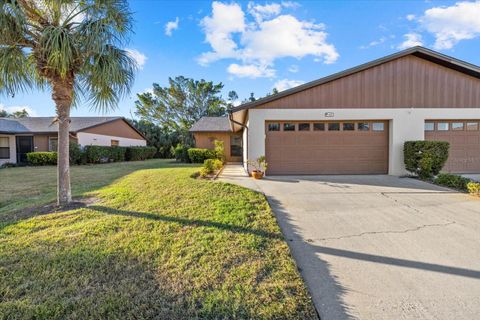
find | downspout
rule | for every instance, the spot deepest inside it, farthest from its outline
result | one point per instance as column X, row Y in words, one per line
column 230, row 117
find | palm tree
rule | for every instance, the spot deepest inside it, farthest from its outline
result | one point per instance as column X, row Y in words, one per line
column 74, row 49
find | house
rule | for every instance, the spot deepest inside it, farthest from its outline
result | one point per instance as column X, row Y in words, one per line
column 21, row 136
column 208, row 129
column 356, row 121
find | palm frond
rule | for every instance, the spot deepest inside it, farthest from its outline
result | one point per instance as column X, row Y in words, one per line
column 17, row 74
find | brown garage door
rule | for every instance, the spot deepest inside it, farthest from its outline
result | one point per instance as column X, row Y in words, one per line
column 464, row 138
column 349, row 147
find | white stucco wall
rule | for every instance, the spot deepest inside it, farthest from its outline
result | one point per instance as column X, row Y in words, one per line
column 405, row 124
column 86, row 139
column 13, row 150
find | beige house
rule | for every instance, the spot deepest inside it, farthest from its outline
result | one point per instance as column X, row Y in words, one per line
column 356, row 121
column 21, row 136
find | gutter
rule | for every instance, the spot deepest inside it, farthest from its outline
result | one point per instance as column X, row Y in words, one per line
column 230, row 117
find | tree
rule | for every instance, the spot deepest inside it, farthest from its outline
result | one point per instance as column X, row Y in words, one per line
column 178, row 106
column 16, row 114
column 73, row 47
column 232, row 97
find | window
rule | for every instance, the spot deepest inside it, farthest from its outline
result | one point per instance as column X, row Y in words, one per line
column 457, row 126
column 274, row 127
column 472, row 126
column 236, row 149
column 334, row 126
column 348, row 126
column 4, row 148
column 304, row 127
column 289, row 127
column 429, row 126
column 319, row 127
column 378, row 126
column 52, row 143
column 442, row 126
column 114, row 143
column 363, row 126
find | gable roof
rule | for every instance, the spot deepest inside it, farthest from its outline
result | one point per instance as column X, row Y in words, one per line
column 212, row 124
column 46, row 125
column 421, row 52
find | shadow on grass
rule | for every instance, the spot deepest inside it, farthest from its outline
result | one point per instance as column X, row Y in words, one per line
column 188, row 222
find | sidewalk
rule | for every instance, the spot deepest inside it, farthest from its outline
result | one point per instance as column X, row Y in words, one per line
column 236, row 174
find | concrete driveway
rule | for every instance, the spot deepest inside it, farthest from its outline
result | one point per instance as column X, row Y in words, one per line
column 381, row 247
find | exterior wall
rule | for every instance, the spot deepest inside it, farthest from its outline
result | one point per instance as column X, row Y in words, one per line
column 402, row 83
column 40, row 142
column 13, row 149
column 206, row 140
column 404, row 124
column 245, row 145
column 86, row 139
column 117, row 128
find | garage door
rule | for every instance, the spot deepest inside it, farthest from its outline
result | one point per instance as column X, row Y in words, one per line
column 350, row 147
column 464, row 138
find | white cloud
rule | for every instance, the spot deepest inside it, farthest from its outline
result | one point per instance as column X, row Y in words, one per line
column 11, row 109
column 170, row 26
column 410, row 17
column 452, row 24
column 411, row 40
column 293, row 68
column 140, row 58
column 258, row 42
column 250, row 71
column 285, row 84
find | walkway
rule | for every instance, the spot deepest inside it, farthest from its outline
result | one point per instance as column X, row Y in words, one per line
column 236, row 174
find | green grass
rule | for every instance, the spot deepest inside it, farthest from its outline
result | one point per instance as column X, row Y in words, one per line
column 158, row 245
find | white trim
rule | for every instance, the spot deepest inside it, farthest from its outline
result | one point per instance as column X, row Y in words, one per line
column 13, row 149
column 405, row 124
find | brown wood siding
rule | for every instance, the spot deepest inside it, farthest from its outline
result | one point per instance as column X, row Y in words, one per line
column 40, row 141
column 402, row 83
column 327, row 152
column 206, row 140
column 464, row 153
column 117, row 128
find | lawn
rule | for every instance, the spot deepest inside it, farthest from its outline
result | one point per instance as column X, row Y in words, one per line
column 158, row 244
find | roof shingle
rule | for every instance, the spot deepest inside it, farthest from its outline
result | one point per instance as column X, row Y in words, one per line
column 45, row 125
column 212, row 124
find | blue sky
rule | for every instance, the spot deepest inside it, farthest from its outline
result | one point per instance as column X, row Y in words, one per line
column 255, row 46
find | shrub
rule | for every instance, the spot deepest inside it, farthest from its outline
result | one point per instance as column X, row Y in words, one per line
column 75, row 153
column 117, row 154
column 452, row 181
column 198, row 155
column 181, row 153
column 220, row 150
column 140, row 153
column 42, row 158
column 97, row 154
column 473, row 187
column 425, row 158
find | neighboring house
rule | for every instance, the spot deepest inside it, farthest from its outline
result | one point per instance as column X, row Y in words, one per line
column 356, row 121
column 23, row 135
column 208, row 129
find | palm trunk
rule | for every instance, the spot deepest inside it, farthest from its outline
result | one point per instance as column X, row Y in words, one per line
column 62, row 94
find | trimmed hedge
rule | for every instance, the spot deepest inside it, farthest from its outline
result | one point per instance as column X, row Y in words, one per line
column 97, row 154
column 140, row 153
column 42, row 158
column 181, row 153
column 425, row 158
column 75, row 153
column 452, row 181
column 210, row 166
column 198, row 155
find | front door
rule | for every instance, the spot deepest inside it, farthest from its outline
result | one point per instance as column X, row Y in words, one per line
column 24, row 146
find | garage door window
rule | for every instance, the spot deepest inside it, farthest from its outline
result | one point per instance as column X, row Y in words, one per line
column 378, row 126
column 442, row 126
column 304, row 127
column 457, row 126
column 319, row 127
column 274, row 127
column 472, row 126
column 429, row 126
column 289, row 127
column 363, row 126
column 348, row 126
column 334, row 126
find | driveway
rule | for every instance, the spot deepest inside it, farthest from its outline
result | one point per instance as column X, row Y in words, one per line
column 381, row 247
